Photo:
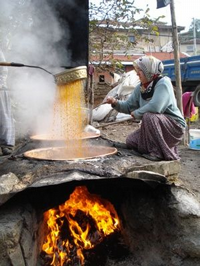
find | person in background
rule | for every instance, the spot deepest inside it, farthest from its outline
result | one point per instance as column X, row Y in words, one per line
column 154, row 103
column 7, row 129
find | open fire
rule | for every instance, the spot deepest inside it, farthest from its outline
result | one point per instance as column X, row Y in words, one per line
column 79, row 224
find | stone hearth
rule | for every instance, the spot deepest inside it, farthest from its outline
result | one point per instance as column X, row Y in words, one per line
column 160, row 219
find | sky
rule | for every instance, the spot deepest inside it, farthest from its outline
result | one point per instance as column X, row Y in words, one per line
column 185, row 10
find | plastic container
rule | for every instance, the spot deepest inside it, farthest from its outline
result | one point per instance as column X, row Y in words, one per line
column 194, row 139
column 195, row 144
column 194, row 134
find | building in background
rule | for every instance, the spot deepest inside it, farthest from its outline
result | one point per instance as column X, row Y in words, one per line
column 158, row 44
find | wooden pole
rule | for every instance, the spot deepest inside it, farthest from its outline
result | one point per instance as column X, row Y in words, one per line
column 176, row 57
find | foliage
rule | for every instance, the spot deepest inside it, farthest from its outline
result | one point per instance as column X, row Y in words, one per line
column 112, row 23
column 196, row 23
column 189, row 35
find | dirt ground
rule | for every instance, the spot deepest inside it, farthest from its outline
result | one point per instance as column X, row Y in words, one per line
column 190, row 159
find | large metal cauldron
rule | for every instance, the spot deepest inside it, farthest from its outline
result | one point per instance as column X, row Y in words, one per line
column 74, row 148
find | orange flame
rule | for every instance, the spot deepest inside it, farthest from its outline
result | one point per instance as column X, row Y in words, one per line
column 79, row 224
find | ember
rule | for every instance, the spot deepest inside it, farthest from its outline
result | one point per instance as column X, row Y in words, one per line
column 79, row 224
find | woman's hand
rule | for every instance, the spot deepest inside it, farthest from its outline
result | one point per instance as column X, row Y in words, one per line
column 132, row 115
column 111, row 100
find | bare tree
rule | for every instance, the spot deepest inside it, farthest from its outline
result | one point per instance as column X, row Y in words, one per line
column 112, row 23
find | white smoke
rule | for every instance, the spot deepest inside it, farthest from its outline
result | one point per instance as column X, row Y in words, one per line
column 30, row 34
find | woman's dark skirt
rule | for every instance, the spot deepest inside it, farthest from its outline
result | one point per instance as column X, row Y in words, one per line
column 158, row 136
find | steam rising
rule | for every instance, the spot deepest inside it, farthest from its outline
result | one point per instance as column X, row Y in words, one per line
column 31, row 35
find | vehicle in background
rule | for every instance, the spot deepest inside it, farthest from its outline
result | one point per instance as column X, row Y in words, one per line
column 190, row 75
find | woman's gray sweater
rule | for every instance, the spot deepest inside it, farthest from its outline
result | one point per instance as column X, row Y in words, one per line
column 163, row 101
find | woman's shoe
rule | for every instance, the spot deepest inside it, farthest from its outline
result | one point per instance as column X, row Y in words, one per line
column 6, row 150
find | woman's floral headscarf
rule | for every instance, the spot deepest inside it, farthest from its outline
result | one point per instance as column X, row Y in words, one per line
column 150, row 66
